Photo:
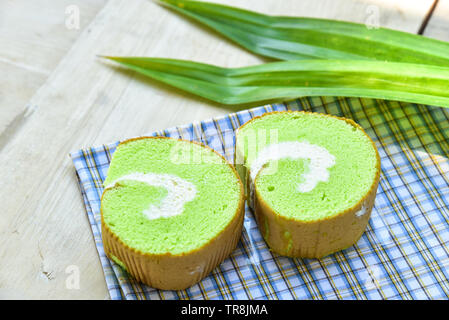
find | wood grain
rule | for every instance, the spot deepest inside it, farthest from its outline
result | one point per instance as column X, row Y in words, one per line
column 34, row 38
column 85, row 102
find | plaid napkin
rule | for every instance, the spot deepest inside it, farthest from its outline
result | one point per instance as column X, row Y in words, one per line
column 403, row 254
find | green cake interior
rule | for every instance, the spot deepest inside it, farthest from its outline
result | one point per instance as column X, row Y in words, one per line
column 350, row 177
column 213, row 207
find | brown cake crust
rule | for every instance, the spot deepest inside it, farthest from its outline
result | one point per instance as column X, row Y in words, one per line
column 179, row 271
column 312, row 239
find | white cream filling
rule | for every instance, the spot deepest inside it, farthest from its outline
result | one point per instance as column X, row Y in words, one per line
column 363, row 210
column 320, row 161
column 179, row 191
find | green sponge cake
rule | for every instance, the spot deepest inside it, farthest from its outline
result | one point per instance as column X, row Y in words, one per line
column 310, row 178
column 172, row 210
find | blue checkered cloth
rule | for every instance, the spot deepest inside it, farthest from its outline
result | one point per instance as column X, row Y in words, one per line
column 403, row 254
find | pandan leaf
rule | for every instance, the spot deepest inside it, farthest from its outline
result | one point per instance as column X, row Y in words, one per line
column 415, row 83
column 294, row 38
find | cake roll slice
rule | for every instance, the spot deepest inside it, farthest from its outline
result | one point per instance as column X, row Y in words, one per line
column 310, row 178
column 171, row 211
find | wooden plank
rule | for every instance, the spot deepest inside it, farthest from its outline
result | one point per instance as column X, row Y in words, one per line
column 38, row 33
column 86, row 102
column 438, row 25
column 17, row 86
column 34, row 37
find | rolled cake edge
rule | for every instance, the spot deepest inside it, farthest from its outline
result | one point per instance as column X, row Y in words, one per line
column 176, row 271
column 312, row 239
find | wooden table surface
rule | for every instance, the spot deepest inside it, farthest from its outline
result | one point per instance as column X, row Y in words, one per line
column 56, row 97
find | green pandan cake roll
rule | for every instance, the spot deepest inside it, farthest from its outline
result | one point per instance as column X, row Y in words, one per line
column 171, row 210
column 310, row 178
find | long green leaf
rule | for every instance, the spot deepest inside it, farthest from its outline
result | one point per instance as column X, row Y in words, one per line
column 294, row 38
column 416, row 83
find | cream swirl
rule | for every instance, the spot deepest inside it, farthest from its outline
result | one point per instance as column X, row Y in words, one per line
column 179, row 191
